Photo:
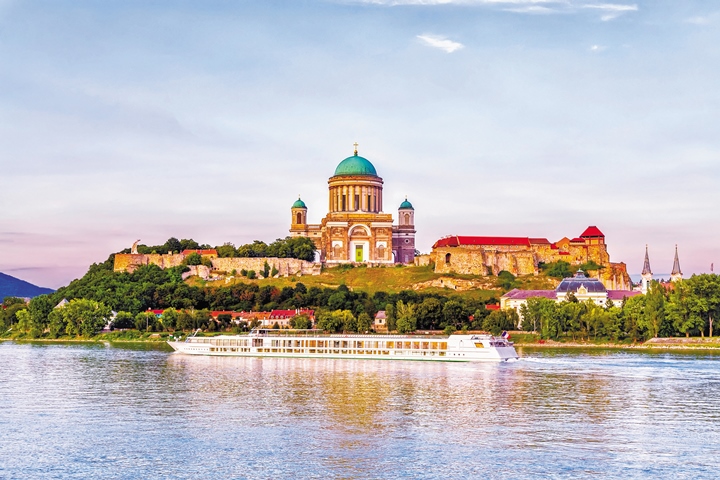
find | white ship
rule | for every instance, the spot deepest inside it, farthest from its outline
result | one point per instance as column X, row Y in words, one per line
column 312, row 343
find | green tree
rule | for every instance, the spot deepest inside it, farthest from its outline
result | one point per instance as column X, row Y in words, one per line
column 56, row 323
column 500, row 320
column 330, row 323
column 705, row 301
column 169, row 318
column 559, row 269
column 406, row 319
column 633, row 313
column 390, row 317
column 654, row 313
column 40, row 308
column 364, row 323
column 145, row 321
column 123, row 320
column 429, row 313
column 301, row 322
column 454, row 314
column 226, row 250
column 193, row 259
column 85, row 317
column 506, row 280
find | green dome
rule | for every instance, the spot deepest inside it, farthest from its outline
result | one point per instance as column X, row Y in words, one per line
column 406, row 205
column 355, row 165
column 299, row 204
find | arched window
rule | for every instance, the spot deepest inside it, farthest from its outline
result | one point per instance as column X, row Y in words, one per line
column 447, row 258
column 299, row 218
column 407, row 219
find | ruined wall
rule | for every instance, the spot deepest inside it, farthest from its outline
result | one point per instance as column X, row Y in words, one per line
column 128, row 262
column 285, row 266
column 518, row 260
column 476, row 260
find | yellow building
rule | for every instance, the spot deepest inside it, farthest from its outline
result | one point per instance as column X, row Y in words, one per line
column 355, row 229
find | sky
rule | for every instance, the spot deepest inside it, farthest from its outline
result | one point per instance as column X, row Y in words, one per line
column 153, row 119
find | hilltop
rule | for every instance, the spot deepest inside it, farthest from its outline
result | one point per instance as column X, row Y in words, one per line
column 397, row 279
column 14, row 287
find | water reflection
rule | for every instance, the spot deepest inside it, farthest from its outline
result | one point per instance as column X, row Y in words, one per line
column 124, row 412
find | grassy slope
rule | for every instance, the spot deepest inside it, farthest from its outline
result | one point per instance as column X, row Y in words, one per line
column 392, row 280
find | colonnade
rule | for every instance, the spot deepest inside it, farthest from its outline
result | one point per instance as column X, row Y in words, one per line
column 351, row 198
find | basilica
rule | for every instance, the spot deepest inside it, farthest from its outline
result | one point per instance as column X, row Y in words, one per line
column 356, row 229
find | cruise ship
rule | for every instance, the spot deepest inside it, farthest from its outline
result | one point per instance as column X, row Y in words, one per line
column 313, row 343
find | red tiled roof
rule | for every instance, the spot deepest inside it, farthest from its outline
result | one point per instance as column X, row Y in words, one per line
column 290, row 313
column 592, row 231
column 492, row 307
column 456, row 241
column 211, row 251
column 577, row 240
column 539, row 241
column 563, row 253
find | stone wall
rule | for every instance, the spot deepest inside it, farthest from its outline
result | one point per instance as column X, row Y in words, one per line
column 524, row 260
column 127, row 262
column 285, row 266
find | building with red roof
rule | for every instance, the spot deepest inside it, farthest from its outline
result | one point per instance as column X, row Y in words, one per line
column 489, row 255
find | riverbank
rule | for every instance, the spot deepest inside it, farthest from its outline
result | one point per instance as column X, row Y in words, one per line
column 522, row 339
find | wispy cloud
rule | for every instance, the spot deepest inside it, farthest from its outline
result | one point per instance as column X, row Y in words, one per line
column 460, row 2
column 438, row 41
column 611, row 11
column 597, row 48
column 533, row 9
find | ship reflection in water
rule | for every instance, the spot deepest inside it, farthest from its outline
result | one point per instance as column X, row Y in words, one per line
column 92, row 411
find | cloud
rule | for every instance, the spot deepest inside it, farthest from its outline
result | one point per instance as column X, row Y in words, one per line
column 438, row 41
column 597, row 48
column 611, row 10
column 532, row 9
column 394, row 3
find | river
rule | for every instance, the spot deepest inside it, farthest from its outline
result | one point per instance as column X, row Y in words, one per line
column 139, row 411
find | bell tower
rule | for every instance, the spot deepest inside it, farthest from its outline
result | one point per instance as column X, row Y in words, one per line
column 646, row 272
column 299, row 215
column 676, row 274
column 404, row 234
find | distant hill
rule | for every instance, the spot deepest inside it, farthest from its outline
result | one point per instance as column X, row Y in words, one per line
column 14, row 287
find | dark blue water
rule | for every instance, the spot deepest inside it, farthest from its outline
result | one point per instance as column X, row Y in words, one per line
column 93, row 411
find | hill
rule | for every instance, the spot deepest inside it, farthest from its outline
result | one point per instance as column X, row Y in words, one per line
column 14, row 287
column 395, row 280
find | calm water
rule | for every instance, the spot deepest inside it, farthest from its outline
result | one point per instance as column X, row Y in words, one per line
column 82, row 411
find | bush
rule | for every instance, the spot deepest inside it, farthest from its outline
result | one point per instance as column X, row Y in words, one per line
column 251, row 274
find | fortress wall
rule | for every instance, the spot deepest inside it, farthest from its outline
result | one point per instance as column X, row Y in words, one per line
column 285, row 266
column 128, row 262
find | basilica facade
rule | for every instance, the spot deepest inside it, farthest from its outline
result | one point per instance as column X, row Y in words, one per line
column 356, row 229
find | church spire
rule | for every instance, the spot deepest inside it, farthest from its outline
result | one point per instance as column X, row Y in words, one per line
column 646, row 272
column 676, row 273
column 646, row 266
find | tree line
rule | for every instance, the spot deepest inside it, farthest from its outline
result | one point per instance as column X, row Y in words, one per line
column 302, row 248
column 102, row 290
column 686, row 308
